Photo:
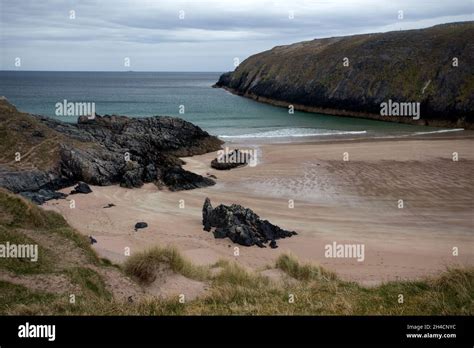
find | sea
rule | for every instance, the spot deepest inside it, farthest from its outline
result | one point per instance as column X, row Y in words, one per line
column 188, row 95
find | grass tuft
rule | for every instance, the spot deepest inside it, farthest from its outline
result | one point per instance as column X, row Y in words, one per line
column 304, row 272
column 145, row 265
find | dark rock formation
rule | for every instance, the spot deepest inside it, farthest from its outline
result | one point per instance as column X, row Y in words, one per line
column 177, row 179
column 105, row 150
column 231, row 160
column 140, row 225
column 82, row 187
column 110, row 205
column 17, row 180
column 34, row 185
column 42, row 195
column 96, row 166
column 135, row 151
column 92, row 240
column 431, row 66
column 241, row 225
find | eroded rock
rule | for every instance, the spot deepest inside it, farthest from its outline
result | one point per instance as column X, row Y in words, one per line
column 241, row 225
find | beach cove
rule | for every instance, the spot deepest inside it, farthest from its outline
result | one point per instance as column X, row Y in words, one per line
column 354, row 201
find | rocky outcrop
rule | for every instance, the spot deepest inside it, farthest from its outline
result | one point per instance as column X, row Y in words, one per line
column 354, row 75
column 134, row 151
column 231, row 160
column 241, row 225
column 105, row 150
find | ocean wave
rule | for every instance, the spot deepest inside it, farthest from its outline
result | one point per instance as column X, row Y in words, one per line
column 292, row 132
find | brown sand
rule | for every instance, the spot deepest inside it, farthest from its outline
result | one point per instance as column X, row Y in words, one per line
column 351, row 202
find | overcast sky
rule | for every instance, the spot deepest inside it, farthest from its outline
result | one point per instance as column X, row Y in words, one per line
column 174, row 35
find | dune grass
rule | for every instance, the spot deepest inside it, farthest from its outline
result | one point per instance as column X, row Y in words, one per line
column 314, row 291
column 232, row 289
column 304, row 272
column 144, row 266
column 236, row 291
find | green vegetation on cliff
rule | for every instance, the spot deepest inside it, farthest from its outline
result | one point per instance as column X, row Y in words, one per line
column 353, row 75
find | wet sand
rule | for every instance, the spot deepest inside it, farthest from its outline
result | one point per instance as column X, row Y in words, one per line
column 353, row 202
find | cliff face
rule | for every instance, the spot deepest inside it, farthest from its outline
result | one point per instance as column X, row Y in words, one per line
column 404, row 66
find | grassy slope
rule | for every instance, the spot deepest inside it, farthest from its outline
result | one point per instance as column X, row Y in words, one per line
column 233, row 290
column 37, row 144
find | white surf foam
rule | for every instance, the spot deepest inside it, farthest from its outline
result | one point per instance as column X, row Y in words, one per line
column 292, row 132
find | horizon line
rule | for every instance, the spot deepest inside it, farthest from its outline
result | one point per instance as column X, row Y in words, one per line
column 124, row 71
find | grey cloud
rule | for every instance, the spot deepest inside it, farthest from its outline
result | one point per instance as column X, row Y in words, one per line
column 107, row 28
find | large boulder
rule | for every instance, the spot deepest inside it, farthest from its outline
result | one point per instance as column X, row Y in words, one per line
column 241, row 225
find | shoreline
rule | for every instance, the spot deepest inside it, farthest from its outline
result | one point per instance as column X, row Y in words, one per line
column 335, row 201
column 453, row 134
column 348, row 113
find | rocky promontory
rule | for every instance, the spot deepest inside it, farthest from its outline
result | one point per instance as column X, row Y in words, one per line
column 354, row 75
column 40, row 155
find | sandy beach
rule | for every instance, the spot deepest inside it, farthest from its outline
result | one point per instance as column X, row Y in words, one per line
column 354, row 202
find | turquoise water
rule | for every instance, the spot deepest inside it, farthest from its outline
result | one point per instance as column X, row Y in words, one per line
column 142, row 94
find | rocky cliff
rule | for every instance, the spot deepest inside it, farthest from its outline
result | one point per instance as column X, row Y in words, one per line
column 353, row 75
column 39, row 154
